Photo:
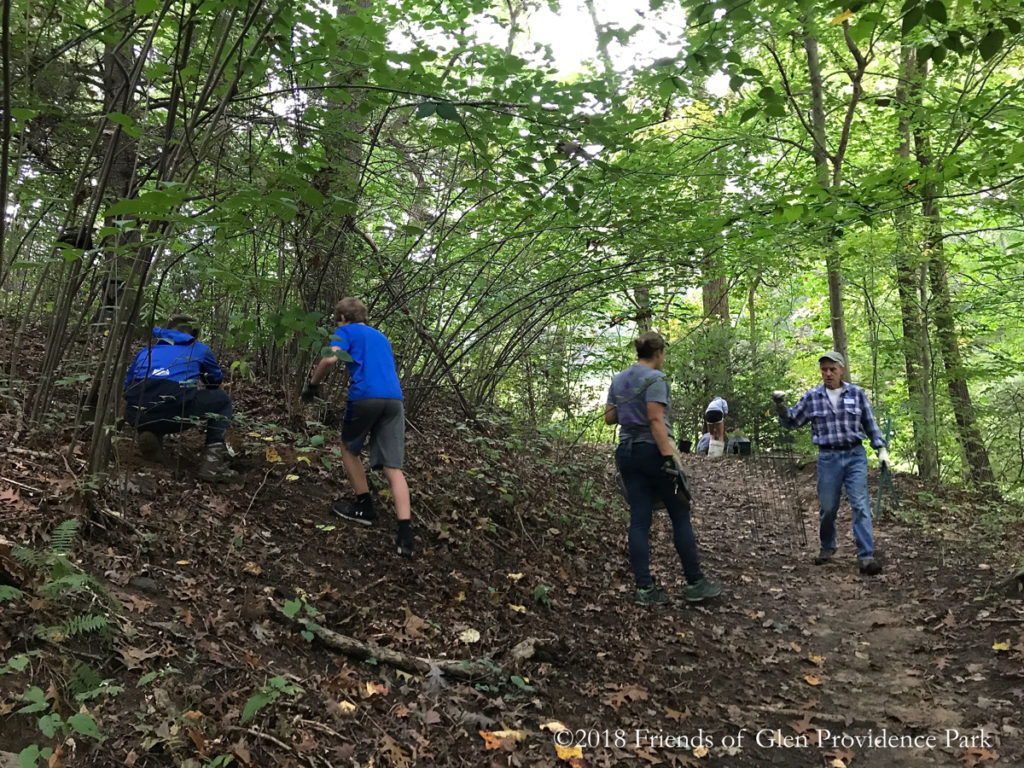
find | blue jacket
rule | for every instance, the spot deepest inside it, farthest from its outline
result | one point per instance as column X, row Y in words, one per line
column 174, row 356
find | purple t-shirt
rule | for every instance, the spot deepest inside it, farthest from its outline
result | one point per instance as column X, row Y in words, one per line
column 630, row 392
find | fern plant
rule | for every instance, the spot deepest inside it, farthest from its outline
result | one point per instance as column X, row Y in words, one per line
column 75, row 594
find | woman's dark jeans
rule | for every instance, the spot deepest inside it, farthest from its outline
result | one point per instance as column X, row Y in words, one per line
column 640, row 466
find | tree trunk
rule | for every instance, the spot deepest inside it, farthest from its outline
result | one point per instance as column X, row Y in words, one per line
column 828, row 177
column 916, row 354
column 978, row 469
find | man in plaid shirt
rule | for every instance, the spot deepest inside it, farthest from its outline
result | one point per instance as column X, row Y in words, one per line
column 841, row 419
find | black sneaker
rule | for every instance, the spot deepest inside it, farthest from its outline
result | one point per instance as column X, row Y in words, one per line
column 824, row 557
column 354, row 511
column 405, row 541
column 870, row 567
column 650, row 595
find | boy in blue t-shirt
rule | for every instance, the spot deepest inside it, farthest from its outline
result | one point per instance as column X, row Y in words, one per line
column 375, row 412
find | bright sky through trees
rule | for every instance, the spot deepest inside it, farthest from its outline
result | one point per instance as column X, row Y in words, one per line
column 570, row 34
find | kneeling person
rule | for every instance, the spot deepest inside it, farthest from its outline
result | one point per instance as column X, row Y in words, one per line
column 375, row 412
column 170, row 384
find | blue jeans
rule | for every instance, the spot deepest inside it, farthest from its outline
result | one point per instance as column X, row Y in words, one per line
column 849, row 468
column 640, row 466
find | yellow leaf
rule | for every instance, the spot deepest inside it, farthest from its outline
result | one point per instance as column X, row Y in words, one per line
column 515, row 576
column 460, row 597
column 252, row 568
column 269, row 439
column 681, row 634
column 347, row 706
column 568, row 753
column 700, row 751
column 254, row 434
column 183, row 562
column 192, row 714
column 517, row 608
column 844, row 16
column 272, row 454
column 837, row 763
column 1003, row 646
column 304, row 459
column 291, row 478
column 812, row 680
column 470, row 636
column 497, row 739
column 819, row 660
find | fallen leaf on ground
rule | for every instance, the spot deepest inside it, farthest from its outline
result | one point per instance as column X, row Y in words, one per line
column 555, row 726
column 568, row 753
column 501, row 739
column 470, row 636
column 812, row 680
column 624, row 694
column 395, row 754
column 975, row 755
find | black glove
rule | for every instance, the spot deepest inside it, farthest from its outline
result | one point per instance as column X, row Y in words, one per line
column 682, row 488
column 668, row 462
column 310, row 391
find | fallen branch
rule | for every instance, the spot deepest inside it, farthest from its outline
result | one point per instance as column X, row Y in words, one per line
column 272, row 739
column 465, row 669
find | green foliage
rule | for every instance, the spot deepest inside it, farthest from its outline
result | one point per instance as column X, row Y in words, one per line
column 271, row 691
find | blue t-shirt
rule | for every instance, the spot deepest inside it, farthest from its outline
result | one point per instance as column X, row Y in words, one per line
column 372, row 368
column 174, row 356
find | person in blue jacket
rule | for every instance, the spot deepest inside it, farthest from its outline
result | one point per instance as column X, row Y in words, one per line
column 173, row 383
column 374, row 414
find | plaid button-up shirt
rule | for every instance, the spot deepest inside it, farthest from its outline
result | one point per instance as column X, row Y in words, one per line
column 850, row 422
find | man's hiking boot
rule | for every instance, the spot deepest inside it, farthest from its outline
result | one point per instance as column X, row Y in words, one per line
column 702, row 590
column 405, row 541
column 652, row 594
column 215, row 467
column 870, row 567
column 150, row 446
column 824, row 557
column 357, row 511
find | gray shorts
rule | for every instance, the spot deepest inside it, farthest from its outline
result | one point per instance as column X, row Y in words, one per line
column 382, row 420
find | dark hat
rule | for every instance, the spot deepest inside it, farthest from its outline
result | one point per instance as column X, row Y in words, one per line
column 834, row 356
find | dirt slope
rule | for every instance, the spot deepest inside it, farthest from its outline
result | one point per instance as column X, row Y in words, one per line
column 794, row 665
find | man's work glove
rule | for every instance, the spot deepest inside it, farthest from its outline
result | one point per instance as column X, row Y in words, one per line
column 883, row 458
column 310, row 391
column 779, row 398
